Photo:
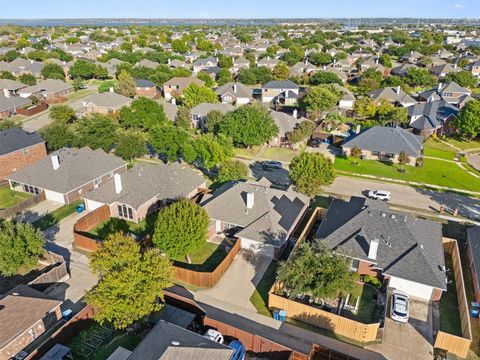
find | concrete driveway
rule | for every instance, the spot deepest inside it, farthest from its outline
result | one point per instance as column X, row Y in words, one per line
column 239, row 281
column 39, row 210
column 410, row 341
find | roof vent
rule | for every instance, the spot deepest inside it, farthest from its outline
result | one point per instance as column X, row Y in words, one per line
column 393, row 217
column 55, row 162
column 372, row 251
column 175, row 343
column 384, row 214
column 250, row 199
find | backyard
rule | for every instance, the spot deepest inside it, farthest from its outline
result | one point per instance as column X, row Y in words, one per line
column 204, row 259
column 366, row 305
column 9, row 198
column 434, row 172
column 449, row 314
column 56, row 216
column 113, row 225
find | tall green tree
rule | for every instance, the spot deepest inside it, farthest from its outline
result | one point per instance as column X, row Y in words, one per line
column 212, row 150
column 194, row 95
column 131, row 144
column 58, row 135
column 143, row 113
column 468, row 119
column 232, row 170
column 61, row 113
column 310, row 172
column 320, row 58
column 53, row 71
column 96, row 131
column 171, row 141
column 27, row 79
column 181, row 228
column 21, row 246
column 131, row 281
column 126, row 84
column 320, row 98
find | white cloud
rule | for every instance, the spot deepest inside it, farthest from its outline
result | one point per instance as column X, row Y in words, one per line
column 458, row 6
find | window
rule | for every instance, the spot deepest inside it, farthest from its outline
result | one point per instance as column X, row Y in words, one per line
column 125, row 212
column 355, row 264
column 31, row 189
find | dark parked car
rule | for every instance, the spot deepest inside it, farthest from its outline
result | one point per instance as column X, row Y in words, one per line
column 272, row 165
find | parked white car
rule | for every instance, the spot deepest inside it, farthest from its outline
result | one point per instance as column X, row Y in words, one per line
column 380, row 195
column 214, row 335
column 399, row 310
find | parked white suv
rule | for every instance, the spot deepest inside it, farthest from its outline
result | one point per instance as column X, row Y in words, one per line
column 380, row 195
column 400, row 306
column 214, row 335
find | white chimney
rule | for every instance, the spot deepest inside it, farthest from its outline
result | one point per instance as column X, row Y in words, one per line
column 440, row 85
column 357, row 130
column 173, row 101
column 398, row 90
column 118, row 183
column 55, row 162
column 235, row 88
column 295, row 113
column 6, row 93
column 376, row 61
column 110, row 89
column 169, row 61
column 324, row 67
column 455, row 66
column 372, row 250
column 250, row 199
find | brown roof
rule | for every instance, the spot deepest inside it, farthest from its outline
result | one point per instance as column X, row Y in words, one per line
column 21, row 308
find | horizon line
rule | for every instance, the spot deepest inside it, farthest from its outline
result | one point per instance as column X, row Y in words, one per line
column 244, row 18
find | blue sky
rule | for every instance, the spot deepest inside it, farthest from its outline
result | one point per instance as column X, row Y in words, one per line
column 233, row 9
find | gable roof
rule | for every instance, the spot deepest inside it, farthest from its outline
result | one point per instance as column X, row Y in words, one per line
column 12, row 102
column 77, row 168
column 14, row 139
column 11, row 85
column 432, row 114
column 171, row 181
column 273, row 214
column 49, row 86
column 235, row 89
column 107, row 99
column 392, row 140
column 396, row 95
column 281, row 84
column 285, row 122
column 144, row 83
column 183, row 82
column 409, row 248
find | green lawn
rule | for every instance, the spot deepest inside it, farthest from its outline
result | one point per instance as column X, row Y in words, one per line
column 259, row 298
column 449, row 314
column 9, row 197
column 79, row 94
column 126, row 340
column 438, row 149
column 113, row 225
column 465, row 144
column 204, row 259
column 280, row 154
column 247, row 153
column 435, row 172
column 56, row 216
column 366, row 307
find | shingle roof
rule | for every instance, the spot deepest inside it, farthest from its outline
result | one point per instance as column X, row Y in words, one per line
column 12, row 102
column 11, row 85
column 14, row 139
column 285, row 122
column 473, row 238
column 77, row 168
column 170, row 182
column 144, row 83
column 108, row 99
column 409, row 248
column 392, row 140
column 159, row 345
column 242, row 91
column 273, row 214
column 281, row 84
column 204, row 108
column 436, row 111
column 49, row 86
column 20, row 309
column 396, row 95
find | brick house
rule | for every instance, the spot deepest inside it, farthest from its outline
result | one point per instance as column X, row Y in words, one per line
column 175, row 86
column 67, row 174
column 473, row 258
column 406, row 250
column 19, row 149
column 25, row 314
column 145, row 88
column 104, row 103
column 10, row 104
column 47, row 89
column 282, row 91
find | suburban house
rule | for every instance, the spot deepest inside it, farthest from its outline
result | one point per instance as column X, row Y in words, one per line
column 11, row 87
column 263, row 218
column 19, row 149
column 67, row 174
column 199, row 113
column 175, row 86
column 280, row 91
column 473, row 258
column 394, row 95
column 147, row 63
column 402, row 69
column 239, row 64
column 234, row 93
column 171, row 110
column 25, row 314
column 347, row 100
column 268, row 63
column 21, row 66
column 285, row 124
column 385, row 144
column 431, row 117
column 406, row 250
column 10, row 104
column 204, row 64
column 475, row 68
column 167, row 341
column 145, row 88
column 452, row 93
column 143, row 189
column 443, row 70
column 104, row 103
column 47, row 89
column 412, row 57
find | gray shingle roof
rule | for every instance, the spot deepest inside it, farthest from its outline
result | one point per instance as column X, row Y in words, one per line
column 14, row 139
column 158, row 345
column 409, row 248
column 145, row 182
column 49, row 86
column 392, row 140
column 12, row 102
column 77, row 168
column 473, row 238
column 108, row 99
column 11, row 85
column 281, row 84
column 273, row 214
column 432, row 113
column 144, row 83
column 285, row 122
column 242, row 91
column 392, row 94
column 204, row 108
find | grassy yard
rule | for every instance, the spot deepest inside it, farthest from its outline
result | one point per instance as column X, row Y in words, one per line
column 204, row 259
column 259, row 298
column 247, row 153
column 465, row 144
column 435, row 172
column 280, row 154
column 366, row 307
column 113, row 225
column 56, row 216
column 449, row 314
column 438, row 149
column 9, row 198
column 79, row 94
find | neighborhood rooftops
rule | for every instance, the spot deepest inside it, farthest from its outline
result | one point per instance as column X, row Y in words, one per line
column 391, row 140
column 12, row 102
column 409, row 248
column 167, row 341
column 281, row 84
column 234, row 89
column 141, row 83
column 14, row 139
column 107, row 99
column 77, row 167
column 271, row 215
column 20, row 309
column 146, row 181
column 431, row 114
column 49, row 87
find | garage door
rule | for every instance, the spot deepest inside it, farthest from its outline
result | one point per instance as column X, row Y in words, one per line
column 54, row 196
column 412, row 288
column 258, row 248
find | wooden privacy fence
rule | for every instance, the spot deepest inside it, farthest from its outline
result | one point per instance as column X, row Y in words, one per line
column 87, row 223
column 337, row 324
column 458, row 345
column 207, row 279
column 17, row 209
column 318, row 213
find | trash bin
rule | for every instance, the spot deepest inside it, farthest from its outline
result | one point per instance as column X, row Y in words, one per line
column 275, row 315
column 475, row 309
column 67, row 314
column 80, row 208
column 282, row 314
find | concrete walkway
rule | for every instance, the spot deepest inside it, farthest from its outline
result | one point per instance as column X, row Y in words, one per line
column 39, row 210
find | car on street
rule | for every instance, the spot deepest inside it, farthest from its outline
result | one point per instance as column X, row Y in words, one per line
column 214, row 335
column 399, row 310
column 272, row 165
column 380, row 195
